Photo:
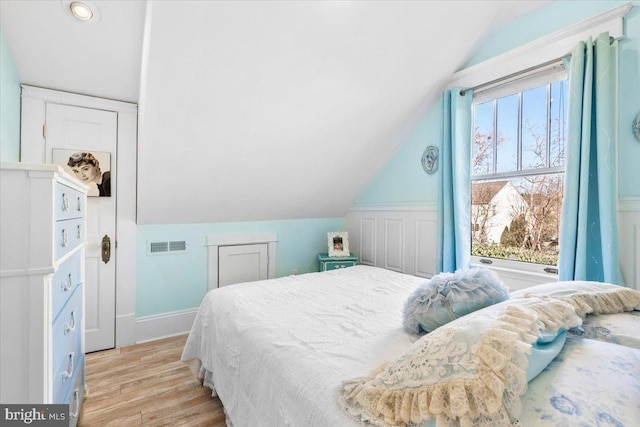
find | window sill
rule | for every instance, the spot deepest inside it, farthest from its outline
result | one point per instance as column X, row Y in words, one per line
column 517, row 275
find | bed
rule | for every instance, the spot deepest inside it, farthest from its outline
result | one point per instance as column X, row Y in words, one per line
column 313, row 349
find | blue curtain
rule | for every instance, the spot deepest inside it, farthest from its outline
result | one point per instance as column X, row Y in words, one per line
column 454, row 198
column 589, row 229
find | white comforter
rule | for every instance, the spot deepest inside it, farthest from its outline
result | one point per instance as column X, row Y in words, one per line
column 265, row 377
column 279, row 350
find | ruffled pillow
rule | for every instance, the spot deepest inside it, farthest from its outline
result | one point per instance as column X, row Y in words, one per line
column 587, row 297
column 474, row 370
column 471, row 371
column 448, row 296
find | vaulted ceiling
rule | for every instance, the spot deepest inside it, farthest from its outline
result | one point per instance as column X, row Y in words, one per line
column 255, row 110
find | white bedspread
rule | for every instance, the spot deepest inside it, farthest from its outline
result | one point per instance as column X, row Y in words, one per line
column 251, row 360
column 279, row 350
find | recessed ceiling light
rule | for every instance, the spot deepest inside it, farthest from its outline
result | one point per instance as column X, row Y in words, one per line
column 81, row 10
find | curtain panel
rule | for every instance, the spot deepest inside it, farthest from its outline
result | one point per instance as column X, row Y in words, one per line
column 454, row 198
column 589, row 230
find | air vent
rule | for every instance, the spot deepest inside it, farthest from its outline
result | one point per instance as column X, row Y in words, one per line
column 165, row 248
column 178, row 246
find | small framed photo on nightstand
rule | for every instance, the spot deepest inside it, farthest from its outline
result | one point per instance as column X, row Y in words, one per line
column 338, row 243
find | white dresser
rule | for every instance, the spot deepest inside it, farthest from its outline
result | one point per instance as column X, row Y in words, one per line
column 42, row 240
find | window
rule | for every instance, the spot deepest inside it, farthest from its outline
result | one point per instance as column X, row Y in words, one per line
column 517, row 170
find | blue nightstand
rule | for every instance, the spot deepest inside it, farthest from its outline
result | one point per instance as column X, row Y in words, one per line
column 333, row 263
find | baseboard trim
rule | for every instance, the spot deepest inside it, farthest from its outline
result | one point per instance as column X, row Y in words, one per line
column 165, row 325
column 125, row 330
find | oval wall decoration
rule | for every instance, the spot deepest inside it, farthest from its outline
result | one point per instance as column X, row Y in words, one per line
column 430, row 159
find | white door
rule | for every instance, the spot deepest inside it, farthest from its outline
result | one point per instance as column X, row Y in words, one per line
column 242, row 263
column 92, row 131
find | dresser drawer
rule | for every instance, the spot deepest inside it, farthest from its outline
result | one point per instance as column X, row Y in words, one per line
column 63, row 376
column 334, row 265
column 65, row 392
column 69, row 203
column 75, row 394
column 65, row 281
column 67, row 344
column 67, row 235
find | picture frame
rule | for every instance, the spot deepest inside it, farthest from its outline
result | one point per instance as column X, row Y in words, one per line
column 430, row 159
column 92, row 168
column 338, row 242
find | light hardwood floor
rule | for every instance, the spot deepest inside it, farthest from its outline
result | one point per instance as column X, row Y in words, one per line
column 146, row 384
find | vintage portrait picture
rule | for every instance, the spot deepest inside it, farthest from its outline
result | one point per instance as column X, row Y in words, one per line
column 93, row 168
column 338, row 242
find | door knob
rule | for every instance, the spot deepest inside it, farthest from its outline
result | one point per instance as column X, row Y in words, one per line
column 106, row 249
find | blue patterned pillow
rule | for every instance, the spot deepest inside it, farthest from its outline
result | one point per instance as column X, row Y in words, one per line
column 469, row 372
column 448, row 296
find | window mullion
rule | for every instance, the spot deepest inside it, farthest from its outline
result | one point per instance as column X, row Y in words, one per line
column 495, row 136
column 548, row 156
column 519, row 144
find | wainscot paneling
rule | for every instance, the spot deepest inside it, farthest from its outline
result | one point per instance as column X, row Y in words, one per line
column 394, row 244
column 396, row 237
column 426, row 253
column 636, row 252
column 629, row 224
column 366, row 237
column 404, row 238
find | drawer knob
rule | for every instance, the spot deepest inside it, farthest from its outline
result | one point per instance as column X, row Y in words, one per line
column 65, row 202
column 67, row 374
column 65, row 238
column 79, row 232
column 79, row 205
column 71, row 326
column 67, row 285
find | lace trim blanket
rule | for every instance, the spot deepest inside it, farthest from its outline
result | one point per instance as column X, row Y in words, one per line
column 471, row 372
